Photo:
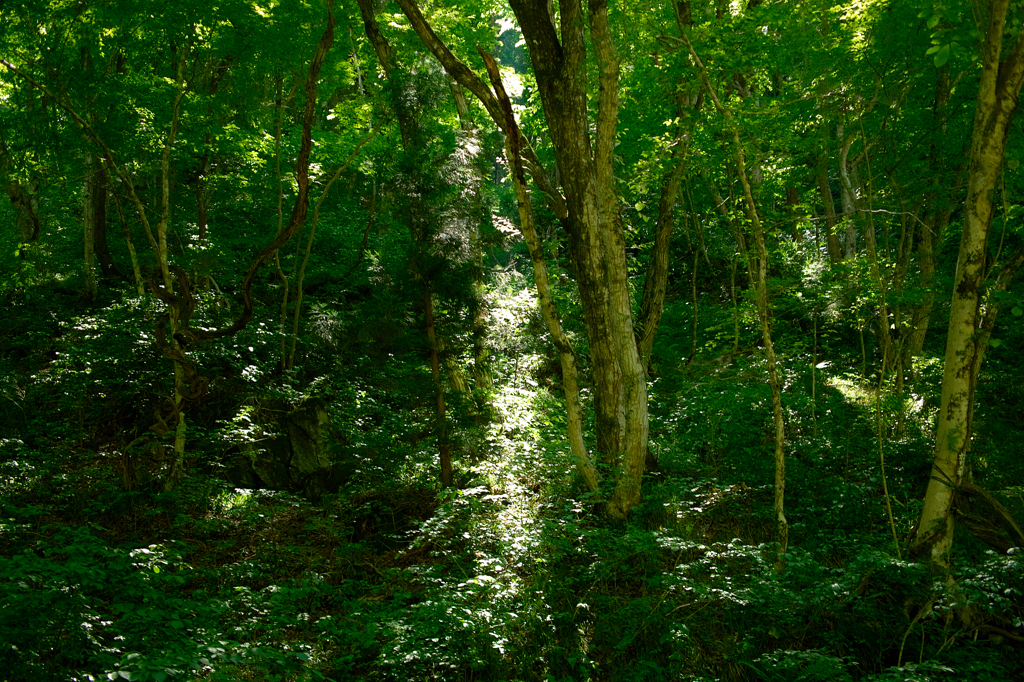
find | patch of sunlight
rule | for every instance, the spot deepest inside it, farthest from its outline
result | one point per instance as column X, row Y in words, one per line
column 854, row 389
column 924, row 364
column 231, row 499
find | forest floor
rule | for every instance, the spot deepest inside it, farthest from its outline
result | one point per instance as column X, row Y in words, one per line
column 512, row 574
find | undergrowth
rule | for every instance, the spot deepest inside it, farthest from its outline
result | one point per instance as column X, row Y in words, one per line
column 511, row 575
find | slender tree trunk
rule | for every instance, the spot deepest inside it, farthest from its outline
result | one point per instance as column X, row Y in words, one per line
column 101, row 183
column 740, row 254
column 764, row 317
column 285, row 284
column 589, row 210
column 854, row 198
column 932, row 226
column 846, row 194
column 483, row 380
column 693, row 291
column 835, row 249
column 656, row 280
column 203, row 188
column 203, row 193
column 89, row 219
column 760, row 280
column 420, row 229
column 735, row 305
column 793, row 213
column 300, row 275
column 904, row 252
column 26, row 209
column 998, row 95
column 549, row 310
column 181, row 389
column 441, row 421
column 23, row 198
column 139, row 280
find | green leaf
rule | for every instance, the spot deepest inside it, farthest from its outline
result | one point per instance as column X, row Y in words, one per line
column 942, row 56
column 934, row 21
column 1017, row 311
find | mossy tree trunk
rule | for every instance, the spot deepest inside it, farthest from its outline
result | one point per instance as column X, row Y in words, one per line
column 594, row 223
column 966, row 341
column 583, row 141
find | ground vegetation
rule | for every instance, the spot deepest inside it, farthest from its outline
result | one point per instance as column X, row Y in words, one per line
column 472, row 340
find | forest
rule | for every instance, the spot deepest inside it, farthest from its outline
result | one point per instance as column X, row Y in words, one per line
column 525, row 340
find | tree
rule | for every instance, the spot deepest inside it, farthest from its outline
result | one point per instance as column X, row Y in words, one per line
column 759, row 277
column 589, row 209
column 972, row 312
column 169, row 282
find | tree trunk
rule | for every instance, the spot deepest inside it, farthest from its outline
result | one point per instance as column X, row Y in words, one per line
column 420, row 228
column 300, row 274
column 23, row 198
column 853, row 200
column 846, row 194
column 140, row 283
column 998, row 94
column 99, row 182
column 835, row 249
column 89, row 217
column 95, row 222
column 594, row 225
column 759, row 275
column 652, row 302
column 548, row 308
column 441, row 421
column 933, row 225
column 174, row 311
column 589, row 210
column 483, row 381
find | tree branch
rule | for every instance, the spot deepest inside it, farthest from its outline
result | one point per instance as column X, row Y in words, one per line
column 468, row 79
